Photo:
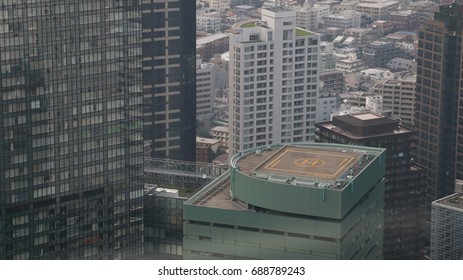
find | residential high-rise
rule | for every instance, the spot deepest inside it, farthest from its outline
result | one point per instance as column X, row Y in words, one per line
column 399, row 95
column 291, row 201
column 210, row 78
column 71, row 162
column 437, row 86
column 273, row 81
column 447, row 226
column 405, row 182
column 307, row 16
column 169, row 72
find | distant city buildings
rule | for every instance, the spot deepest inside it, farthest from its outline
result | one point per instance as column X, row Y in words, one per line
column 377, row 9
column 206, row 148
column 379, row 53
column 209, row 22
column 221, row 133
column 209, row 46
column 292, row 201
column 399, row 95
column 273, row 81
column 209, row 79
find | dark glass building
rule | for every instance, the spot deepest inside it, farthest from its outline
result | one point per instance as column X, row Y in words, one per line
column 163, row 223
column 404, row 193
column 169, row 73
column 71, row 149
column 438, row 85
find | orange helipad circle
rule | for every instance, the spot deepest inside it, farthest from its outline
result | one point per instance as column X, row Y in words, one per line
column 309, row 162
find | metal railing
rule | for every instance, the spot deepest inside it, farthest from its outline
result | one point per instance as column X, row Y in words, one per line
column 180, row 173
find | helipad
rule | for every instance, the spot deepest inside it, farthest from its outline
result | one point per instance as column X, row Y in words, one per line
column 311, row 163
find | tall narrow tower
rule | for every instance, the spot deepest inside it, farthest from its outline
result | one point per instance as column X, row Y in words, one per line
column 71, row 156
column 169, row 73
column 438, row 84
column 273, row 81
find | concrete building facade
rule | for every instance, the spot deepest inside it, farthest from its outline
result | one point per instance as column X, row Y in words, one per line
column 208, row 46
column 447, row 226
column 210, row 22
column 206, row 85
column 273, row 81
column 399, row 96
column 377, row 9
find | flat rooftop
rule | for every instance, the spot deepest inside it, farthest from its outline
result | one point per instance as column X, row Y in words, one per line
column 367, row 116
column 308, row 163
column 312, row 166
column 364, row 120
column 306, row 166
column 453, row 201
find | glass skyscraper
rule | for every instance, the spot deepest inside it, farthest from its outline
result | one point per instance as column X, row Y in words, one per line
column 437, row 122
column 71, row 148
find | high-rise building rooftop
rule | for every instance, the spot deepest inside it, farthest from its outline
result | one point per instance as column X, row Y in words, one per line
column 447, row 226
column 297, row 192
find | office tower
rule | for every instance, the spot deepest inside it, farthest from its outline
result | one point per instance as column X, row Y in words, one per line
column 447, row 226
column 71, row 130
column 459, row 140
column 292, row 201
column 438, row 75
column 169, row 88
column 273, row 81
column 405, row 182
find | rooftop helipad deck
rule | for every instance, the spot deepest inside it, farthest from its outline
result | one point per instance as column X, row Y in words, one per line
column 309, row 163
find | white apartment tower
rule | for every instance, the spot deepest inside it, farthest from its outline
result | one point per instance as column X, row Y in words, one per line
column 273, row 81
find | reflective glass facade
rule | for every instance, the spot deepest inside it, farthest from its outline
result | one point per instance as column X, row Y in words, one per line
column 71, row 149
column 163, row 226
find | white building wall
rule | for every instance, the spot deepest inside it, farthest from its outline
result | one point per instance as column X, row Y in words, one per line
column 205, row 89
column 325, row 107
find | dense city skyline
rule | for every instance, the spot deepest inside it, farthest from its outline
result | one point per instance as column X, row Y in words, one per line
column 122, row 139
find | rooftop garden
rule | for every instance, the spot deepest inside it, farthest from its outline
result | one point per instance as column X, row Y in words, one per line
column 302, row 32
column 248, row 24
